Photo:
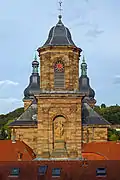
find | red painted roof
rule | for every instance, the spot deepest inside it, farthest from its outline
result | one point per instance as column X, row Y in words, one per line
column 108, row 150
column 92, row 151
column 70, row 170
column 10, row 151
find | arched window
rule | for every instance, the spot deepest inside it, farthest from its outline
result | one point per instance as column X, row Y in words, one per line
column 59, row 74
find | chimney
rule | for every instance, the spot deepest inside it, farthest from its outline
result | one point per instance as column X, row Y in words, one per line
column 13, row 136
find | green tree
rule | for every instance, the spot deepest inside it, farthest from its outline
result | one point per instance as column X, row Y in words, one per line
column 114, row 137
column 103, row 106
column 3, row 134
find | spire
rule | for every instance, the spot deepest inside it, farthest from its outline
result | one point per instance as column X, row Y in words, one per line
column 83, row 67
column 35, row 58
column 83, row 59
column 35, row 65
column 60, row 13
column 60, row 9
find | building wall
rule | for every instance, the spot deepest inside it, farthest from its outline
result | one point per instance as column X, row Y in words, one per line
column 28, row 135
column 97, row 134
column 48, row 57
column 26, row 104
column 51, row 106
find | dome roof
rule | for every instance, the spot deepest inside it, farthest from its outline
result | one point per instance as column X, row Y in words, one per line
column 84, row 87
column 34, row 84
column 59, row 35
column 35, row 63
column 33, row 87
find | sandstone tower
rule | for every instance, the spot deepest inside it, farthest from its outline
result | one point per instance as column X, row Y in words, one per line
column 59, row 100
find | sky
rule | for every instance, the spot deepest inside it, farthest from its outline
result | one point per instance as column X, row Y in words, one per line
column 24, row 26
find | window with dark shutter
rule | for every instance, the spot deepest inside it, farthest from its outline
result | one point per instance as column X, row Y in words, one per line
column 59, row 74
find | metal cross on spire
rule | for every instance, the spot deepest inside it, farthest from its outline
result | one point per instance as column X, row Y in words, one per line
column 60, row 9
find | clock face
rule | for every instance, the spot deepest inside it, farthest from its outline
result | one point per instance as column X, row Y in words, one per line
column 59, row 66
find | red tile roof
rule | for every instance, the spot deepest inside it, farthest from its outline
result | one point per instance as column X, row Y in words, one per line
column 92, row 151
column 70, row 170
column 10, row 151
column 104, row 150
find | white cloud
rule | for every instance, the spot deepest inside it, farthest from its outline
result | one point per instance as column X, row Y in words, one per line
column 9, row 104
column 116, row 79
column 10, row 100
column 94, row 33
column 8, row 82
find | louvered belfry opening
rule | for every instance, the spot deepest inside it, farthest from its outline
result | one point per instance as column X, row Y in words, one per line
column 59, row 74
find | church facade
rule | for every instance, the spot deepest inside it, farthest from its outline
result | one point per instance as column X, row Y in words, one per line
column 59, row 114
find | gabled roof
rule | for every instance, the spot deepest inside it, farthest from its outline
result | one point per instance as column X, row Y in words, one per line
column 29, row 117
column 89, row 116
column 9, row 151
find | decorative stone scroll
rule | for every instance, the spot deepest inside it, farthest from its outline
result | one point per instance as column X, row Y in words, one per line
column 73, row 109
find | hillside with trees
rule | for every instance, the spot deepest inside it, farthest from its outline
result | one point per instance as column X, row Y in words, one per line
column 6, row 119
column 111, row 114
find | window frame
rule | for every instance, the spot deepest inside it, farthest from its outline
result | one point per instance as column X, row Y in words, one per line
column 101, row 174
column 14, row 174
column 59, row 76
column 42, row 172
column 54, row 174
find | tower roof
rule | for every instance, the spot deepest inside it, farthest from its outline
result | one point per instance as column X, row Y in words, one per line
column 84, row 85
column 34, row 84
column 59, row 35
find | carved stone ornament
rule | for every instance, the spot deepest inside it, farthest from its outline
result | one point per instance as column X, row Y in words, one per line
column 45, row 109
column 59, row 129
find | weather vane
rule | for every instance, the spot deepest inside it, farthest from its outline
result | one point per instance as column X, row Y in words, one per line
column 60, row 9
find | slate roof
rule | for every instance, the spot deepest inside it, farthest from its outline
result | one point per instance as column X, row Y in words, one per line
column 59, row 35
column 89, row 116
column 28, row 118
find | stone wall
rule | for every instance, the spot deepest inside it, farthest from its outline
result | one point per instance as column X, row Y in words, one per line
column 98, row 134
column 51, row 106
column 27, row 104
column 28, row 135
column 48, row 57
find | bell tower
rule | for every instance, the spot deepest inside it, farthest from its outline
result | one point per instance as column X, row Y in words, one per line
column 59, row 100
column 59, row 60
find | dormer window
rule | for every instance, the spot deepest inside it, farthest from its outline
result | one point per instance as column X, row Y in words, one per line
column 59, row 74
column 15, row 172
column 42, row 170
column 101, row 172
column 56, row 172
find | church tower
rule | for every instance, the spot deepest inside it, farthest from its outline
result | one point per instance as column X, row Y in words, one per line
column 84, row 85
column 34, row 84
column 59, row 99
column 59, row 116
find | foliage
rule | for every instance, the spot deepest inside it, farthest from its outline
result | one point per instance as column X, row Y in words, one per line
column 5, row 120
column 113, row 135
column 111, row 113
